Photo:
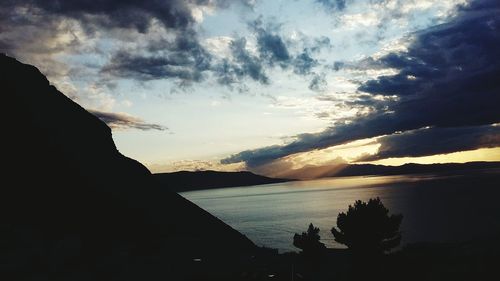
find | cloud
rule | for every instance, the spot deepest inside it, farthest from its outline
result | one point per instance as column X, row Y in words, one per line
column 318, row 83
column 132, row 14
column 338, row 65
column 35, row 38
column 227, row 3
column 333, row 5
column 244, row 65
column 304, row 63
column 431, row 141
column 271, row 46
column 47, row 33
column 183, row 58
column 145, row 40
column 447, row 78
column 272, row 51
column 123, row 121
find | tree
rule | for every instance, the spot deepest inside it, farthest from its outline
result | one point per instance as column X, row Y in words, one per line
column 309, row 241
column 368, row 228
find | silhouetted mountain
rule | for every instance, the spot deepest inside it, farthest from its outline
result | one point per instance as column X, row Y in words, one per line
column 369, row 169
column 344, row 170
column 186, row 180
column 74, row 208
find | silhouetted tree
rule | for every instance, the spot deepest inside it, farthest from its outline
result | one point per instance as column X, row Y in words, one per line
column 368, row 228
column 309, row 241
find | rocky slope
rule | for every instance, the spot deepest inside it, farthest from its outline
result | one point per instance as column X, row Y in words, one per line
column 73, row 207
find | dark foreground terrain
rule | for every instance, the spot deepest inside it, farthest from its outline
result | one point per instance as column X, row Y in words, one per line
column 74, row 208
column 422, row 261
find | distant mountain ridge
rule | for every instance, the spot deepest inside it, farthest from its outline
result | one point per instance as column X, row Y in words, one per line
column 412, row 168
column 194, row 180
column 344, row 170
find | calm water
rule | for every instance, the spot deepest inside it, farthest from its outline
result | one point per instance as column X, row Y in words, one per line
column 435, row 208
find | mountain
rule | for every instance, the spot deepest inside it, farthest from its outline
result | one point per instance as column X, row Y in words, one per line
column 412, row 168
column 74, row 208
column 344, row 170
column 186, row 180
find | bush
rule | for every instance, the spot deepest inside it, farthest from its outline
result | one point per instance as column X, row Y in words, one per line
column 368, row 228
column 309, row 241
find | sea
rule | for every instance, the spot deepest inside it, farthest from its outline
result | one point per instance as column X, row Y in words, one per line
column 435, row 208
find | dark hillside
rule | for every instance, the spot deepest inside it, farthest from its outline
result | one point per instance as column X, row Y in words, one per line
column 73, row 207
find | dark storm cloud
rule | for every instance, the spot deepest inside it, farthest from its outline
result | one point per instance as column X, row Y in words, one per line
column 187, row 60
column 303, row 63
column 124, row 64
column 122, row 121
column 31, row 28
column 342, row 132
column 272, row 51
column 113, row 13
column 183, row 58
column 366, row 101
column 333, row 5
column 137, row 14
column 245, row 65
column 447, row 78
column 424, row 142
column 272, row 47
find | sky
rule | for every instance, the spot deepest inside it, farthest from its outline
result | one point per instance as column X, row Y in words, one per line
column 273, row 86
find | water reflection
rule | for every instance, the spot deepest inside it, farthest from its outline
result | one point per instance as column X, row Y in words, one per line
column 435, row 208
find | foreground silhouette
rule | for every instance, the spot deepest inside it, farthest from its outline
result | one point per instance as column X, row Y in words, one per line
column 369, row 232
column 74, row 208
column 309, row 243
column 367, row 228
